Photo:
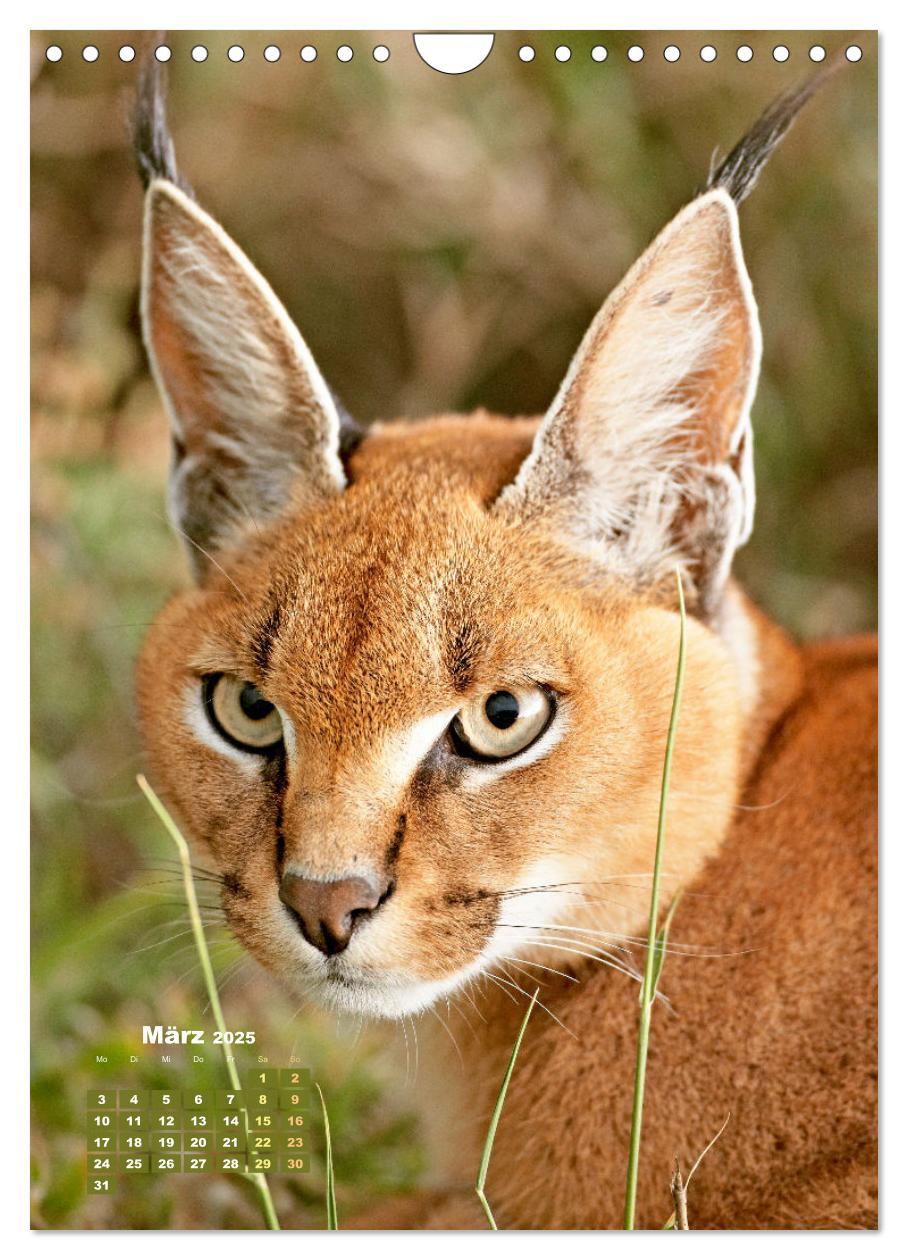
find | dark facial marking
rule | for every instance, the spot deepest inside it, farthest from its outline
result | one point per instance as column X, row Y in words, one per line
column 462, row 658
column 262, row 644
column 274, row 772
column 466, row 896
column 234, row 887
column 396, row 843
column 439, row 768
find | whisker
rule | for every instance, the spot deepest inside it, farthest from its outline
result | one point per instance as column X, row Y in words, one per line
column 542, row 1006
column 451, row 1036
column 680, row 949
column 294, row 1015
column 412, row 1023
column 176, row 865
column 711, row 800
column 162, row 899
column 605, row 951
column 488, row 975
column 515, row 963
column 232, row 968
column 542, row 967
column 610, row 880
column 562, row 890
column 468, row 994
column 568, row 945
column 403, row 1028
column 232, row 971
column 563, row 927
column 194, row 966
column 142, row 949
column 174, row 884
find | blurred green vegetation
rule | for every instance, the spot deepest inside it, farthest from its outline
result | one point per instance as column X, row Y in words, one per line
column 443, row 242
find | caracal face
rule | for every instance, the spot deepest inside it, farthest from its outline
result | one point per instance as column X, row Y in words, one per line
column 413, row 713
column 370, row 624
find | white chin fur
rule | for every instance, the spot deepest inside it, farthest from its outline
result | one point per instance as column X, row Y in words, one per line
column 388, row 999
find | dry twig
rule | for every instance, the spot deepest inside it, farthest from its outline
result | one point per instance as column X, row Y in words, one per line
column 680, row 1185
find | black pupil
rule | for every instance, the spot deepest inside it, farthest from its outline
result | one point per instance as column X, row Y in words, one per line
column 253, row 703
column 502, row 709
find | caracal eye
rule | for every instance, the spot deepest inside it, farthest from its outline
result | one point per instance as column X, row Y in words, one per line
column 240, row 713
column 502, row 724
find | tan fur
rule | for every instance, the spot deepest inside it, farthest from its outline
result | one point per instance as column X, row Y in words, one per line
column 777, row 1032
column 371, row 590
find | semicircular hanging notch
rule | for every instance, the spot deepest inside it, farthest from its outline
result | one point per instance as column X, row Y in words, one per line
column 453, row 52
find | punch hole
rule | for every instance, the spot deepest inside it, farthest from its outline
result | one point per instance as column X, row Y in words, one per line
column 127, row 53
column 526, row 52
column 745, row 53
column 53, row 53
column 90, row 53
column 453, row 52
column 236, row 52
column 780, row 53
column 562, row 53
column 162, row 53
column 345, row 53
column 671, row 53
column 272, row 53
column 853, row 53
column 635, row 53
column 599, row 53
column 708, row 53
column 308, row 53
column 381, row 52
column 199, row 53
column 817, row 53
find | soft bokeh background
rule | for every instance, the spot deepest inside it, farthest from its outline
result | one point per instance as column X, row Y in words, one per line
column 442, row 242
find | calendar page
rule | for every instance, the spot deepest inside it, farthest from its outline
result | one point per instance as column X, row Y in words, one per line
column 454, row 583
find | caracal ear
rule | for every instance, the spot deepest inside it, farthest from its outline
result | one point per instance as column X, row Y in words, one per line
column 255, row 429
column 644, row 458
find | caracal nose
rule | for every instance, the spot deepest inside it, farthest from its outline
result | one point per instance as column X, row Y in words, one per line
column 328, row 910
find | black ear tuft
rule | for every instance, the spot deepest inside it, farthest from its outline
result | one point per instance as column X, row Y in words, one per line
column 150, row 137
column 739, row 172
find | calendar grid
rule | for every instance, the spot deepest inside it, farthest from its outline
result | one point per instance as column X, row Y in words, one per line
column 261, row 1128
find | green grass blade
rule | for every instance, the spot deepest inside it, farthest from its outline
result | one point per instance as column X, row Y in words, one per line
column 650, row 969
column 496, row 1116
column 258, row 1179
column 330, row 1200
column 662, row 942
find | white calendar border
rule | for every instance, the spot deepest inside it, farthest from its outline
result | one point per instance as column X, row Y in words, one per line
column 470, row 15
